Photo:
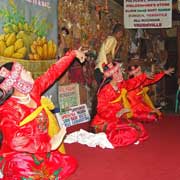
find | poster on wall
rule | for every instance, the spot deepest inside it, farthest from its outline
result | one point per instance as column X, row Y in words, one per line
column 28, row 35
column 68, row 96
column 28, row 29
column 147, row 14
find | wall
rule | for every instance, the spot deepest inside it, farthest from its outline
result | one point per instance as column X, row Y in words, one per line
column 88, row 21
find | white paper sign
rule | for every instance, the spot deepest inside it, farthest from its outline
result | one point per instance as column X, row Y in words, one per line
column 147, row 14
column 76, row 115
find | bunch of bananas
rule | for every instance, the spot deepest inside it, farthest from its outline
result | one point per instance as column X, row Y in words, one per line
column 42, row 49
column 11, row 46
column 9, row 28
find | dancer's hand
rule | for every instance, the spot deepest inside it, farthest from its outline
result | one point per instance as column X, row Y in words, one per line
column 81, row 54
column 122, row 111
column 169, row 71
column 58, row 138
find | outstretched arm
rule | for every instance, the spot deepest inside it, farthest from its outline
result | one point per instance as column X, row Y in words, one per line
column 133, row 83
column 158, row 76
column 56, row 70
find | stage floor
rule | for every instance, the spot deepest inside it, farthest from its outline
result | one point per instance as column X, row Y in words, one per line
column 155, row 159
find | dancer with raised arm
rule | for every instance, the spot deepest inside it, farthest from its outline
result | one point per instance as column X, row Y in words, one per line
column 29, row 147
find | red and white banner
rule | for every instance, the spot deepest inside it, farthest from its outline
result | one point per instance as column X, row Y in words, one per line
column 147, row 14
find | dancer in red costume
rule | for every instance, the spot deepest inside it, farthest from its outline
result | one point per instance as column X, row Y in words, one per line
column 141, row 105
column 109, row 117
column 29, row 146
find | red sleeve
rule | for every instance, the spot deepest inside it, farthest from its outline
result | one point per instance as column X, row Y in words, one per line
column 156, row 78
column 43, row 82
column 25, row 138
column 133, row 83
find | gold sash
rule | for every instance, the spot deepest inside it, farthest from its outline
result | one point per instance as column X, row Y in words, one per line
column 53, row 128
column 126, row 104
column 147, row 99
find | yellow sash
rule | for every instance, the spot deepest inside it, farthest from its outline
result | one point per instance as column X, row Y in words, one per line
column 147, row 99
column 53, row 128
column 123, row 97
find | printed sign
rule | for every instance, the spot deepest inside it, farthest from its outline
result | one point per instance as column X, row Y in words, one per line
column 147, row 14
column 76, row 115
column 68, row 96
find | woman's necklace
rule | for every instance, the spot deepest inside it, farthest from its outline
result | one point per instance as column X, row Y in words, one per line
column 23, row 99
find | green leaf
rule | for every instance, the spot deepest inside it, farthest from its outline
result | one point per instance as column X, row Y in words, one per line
column 38, row 162
column 56, row 173
column 23, row 178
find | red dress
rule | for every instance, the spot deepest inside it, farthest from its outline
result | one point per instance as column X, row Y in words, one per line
column 140, row 109
column 26, row 150
column 120, row 132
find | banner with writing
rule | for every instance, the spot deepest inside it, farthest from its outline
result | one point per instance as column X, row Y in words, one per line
column 75, row 115
column 147, row 14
